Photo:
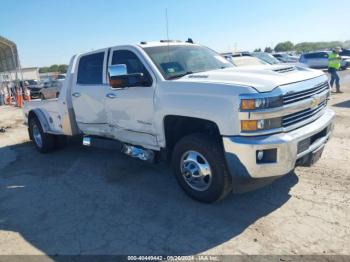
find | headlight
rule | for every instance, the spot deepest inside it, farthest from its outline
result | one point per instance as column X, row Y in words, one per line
column 261, row 103
column 259, row 125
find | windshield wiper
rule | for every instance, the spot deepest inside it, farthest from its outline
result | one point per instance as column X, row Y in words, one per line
column 180, row 75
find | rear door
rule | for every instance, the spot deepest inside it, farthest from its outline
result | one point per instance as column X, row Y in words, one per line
column 88, row 93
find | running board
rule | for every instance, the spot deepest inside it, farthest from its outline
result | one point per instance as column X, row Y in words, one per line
column 130, row 150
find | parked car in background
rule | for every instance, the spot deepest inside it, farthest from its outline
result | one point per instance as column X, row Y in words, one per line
column 33, row 86
column 266, row 57
column 61, row 77
column 345, row 52
column 285, row 58
column 319, row 60
column 249, row 58
column 243, row 59
column 50, row 89
column 247, row 61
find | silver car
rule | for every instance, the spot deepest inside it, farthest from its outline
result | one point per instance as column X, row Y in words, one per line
column 50, row 89
column 319, row 60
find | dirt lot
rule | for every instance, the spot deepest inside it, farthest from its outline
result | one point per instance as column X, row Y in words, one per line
column 91, row 201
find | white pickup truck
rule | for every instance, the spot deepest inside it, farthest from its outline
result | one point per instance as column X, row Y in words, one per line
column 224, row 129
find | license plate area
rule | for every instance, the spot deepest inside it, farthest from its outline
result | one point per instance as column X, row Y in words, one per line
column 311, row 158
column 307, row 142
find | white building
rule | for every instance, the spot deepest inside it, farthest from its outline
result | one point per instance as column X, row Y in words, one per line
column 25, row 74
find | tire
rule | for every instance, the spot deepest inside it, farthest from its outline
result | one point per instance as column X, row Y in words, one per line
column 47, row 140
column 42, row 97
column 206, row 151
column 57, row 94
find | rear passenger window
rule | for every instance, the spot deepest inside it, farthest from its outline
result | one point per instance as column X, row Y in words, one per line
column 90, row 69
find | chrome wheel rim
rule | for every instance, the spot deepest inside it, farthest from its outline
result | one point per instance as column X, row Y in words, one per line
column 37, row 136
column 196, row 170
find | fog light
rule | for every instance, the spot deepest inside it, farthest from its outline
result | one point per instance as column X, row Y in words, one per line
column 266, row 156
column 261, row 124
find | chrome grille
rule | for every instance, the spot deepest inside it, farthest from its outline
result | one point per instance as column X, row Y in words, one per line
column 294, row 118
column 305, row 94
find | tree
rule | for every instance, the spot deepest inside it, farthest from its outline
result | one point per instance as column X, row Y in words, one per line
column 268, row 49
column 284, row 46
column 62, row 69
column 54, row 68
column 43, row 70
column 257, row 50
column 313, row 46
column 346, row 44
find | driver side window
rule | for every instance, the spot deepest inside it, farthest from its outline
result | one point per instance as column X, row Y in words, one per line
column 133, row 64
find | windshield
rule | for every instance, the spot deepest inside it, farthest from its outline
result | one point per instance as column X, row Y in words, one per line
column 179, row 60
column 32, row 82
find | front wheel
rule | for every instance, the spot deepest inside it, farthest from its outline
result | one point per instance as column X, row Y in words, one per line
column 200, row 168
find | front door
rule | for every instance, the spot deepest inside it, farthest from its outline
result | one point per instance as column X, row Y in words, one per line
column 130, row 109
column 89, row 92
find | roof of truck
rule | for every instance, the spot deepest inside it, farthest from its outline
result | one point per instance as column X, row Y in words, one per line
column 145, row 45
column 163, row 43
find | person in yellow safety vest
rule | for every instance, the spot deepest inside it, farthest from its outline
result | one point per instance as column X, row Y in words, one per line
column 334, row 60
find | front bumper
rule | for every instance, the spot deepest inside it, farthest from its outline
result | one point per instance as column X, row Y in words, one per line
column 241, row 152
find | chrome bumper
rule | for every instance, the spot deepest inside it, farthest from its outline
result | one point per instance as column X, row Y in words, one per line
column 241, row 151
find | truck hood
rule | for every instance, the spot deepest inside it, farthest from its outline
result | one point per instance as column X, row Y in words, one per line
column 262, row 78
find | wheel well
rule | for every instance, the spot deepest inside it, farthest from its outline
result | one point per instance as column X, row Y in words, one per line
column 31, row 115
column 176, row 127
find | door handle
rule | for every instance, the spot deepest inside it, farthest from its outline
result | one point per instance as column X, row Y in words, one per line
column 76, row 94
column 111, row 95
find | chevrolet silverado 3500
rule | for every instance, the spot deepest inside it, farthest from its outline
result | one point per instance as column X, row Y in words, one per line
column 224, row 129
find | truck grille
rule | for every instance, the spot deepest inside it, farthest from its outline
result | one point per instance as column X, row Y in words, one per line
column 294, row 118
column 305, row 94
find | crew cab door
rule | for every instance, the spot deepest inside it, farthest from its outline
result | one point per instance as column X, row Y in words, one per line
column 130, row 109
column 88, row 93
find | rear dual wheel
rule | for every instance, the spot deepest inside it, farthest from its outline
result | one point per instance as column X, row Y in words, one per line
column 44, row 142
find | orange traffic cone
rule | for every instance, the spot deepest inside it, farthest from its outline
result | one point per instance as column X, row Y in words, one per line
column 19, row 98
column 27, row 94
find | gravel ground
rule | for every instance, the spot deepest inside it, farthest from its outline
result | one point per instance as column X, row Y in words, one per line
column 91, row 201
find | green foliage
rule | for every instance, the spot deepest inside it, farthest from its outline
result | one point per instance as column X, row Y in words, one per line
column 54, row 68
column 313, row 46
column 284, row 46
column 62, row 69
column 346, row 44
column 268, row 49
column 257, row 50
column 306, row 46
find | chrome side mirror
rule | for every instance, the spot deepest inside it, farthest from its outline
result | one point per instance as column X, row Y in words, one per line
column 117, row 70
column 117, row 75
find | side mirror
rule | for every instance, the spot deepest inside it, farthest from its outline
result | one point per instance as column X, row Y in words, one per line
column 119, row 77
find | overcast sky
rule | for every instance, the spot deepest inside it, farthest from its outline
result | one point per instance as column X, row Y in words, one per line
column 50, row 32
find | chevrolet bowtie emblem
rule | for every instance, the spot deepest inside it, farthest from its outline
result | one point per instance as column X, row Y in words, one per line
column 315, row 102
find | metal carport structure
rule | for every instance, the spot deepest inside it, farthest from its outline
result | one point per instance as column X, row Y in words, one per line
column 9, row 60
